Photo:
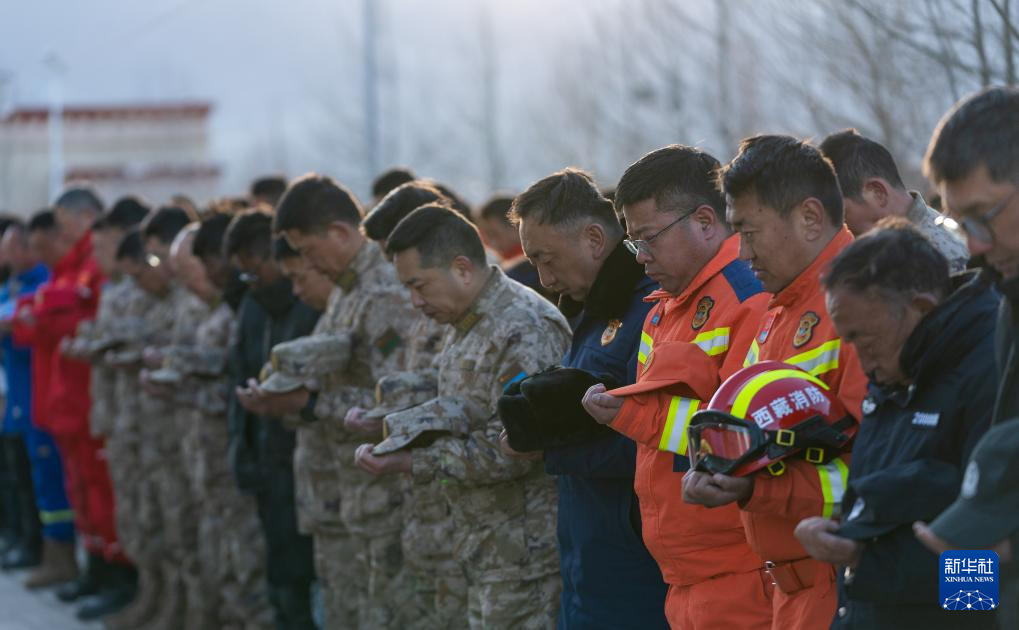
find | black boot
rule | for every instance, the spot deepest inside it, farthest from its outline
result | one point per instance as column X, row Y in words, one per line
column 119, row 591
column 21, row 556
column 89, row 582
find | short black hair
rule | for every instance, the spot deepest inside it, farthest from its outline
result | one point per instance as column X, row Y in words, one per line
column 390, row 179
column 44, row 220
column 894, row 258
column 270, row 187
column 126, row 213
column 857, row 159
column 282, row 250
column 165, row 223
column 131, row 247
column 982, row 128
column 456, row 202
column 677, row 177
column 314, row 201
column 209, row 238
column 249, row 233
column 8, row 221
column 397, row 204
column 79, row 198
column 564, row 198
column 783, row 171
column 497, row 208
column 440, row 234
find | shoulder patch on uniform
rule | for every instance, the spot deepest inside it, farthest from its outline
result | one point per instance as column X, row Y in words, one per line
column 700, row 317
column 805, row 331
column 742, row 280
column 388, row 342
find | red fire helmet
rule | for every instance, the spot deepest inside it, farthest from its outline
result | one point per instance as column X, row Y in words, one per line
column 765, row 413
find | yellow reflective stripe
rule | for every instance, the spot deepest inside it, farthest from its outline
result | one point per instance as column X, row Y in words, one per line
column 646, row 343
column 821, row 359
column 752, row 354
column 56, row 516
column 834, row 476
column 756, row 384
column 713, row 342
column 674, row 437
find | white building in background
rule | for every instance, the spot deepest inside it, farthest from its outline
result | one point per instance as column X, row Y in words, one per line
column 154, row 151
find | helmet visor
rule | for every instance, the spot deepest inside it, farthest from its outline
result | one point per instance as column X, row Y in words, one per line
column 720, row 442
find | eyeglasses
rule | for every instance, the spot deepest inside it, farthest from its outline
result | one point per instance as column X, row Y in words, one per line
column 977, row 228
column 636, row 247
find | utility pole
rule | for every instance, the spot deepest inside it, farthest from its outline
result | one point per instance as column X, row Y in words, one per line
column 371, row 90
column 490, row 97
column 55, row 126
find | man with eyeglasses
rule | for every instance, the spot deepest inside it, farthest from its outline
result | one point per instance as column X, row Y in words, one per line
column 974, row 160
column 695, row 336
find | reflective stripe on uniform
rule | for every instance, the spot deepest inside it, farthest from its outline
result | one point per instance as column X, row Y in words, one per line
column 834, row 476
column 674, row 435
column 752, row 354
column 821, row 359
column 56, row 516
column 713, row 342
column 646, row 343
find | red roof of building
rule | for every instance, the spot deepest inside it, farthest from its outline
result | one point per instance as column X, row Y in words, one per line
column 162, row 111
column 153, row 172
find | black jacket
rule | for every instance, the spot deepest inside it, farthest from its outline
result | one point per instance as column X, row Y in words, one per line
column 262, row 449
column 935, row 422
column 1006, row 408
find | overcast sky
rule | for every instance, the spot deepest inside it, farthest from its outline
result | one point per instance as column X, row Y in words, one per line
column 272, row 69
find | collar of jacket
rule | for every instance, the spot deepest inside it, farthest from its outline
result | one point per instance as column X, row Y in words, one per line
column 367, row 257
column 33, row 277
column 809, row 281
column 612, row 290
column 482, row 302
column 76, row 256
column 1010, row 289
column 726, row 254
column 276, row 298
column 949, row 332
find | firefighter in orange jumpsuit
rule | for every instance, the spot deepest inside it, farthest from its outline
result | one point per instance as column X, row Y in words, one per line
column 694, row 338
column 785, row 204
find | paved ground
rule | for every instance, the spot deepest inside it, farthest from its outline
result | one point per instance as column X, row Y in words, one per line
column 24, row 610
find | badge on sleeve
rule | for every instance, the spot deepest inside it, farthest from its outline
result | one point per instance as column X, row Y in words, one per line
column 805, row 331
column 700, row 317
column 388, row 341
column 609, row 334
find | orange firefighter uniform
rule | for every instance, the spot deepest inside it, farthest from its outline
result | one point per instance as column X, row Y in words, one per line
column 797, row 330
column 690, row 343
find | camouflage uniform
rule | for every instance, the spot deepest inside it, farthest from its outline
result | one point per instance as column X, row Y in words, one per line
column 434, row 583
column 503, row 509
column 162, row 488
column 924, row 218
column 374, row 308
column 229, row 585
column 128, row 332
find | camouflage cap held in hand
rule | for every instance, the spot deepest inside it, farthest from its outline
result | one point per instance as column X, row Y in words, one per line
column 419, row 426
column 402, row 390
column 296, row 362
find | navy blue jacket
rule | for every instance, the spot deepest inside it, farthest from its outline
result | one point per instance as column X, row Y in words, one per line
column 936, row 421
column 17, row 360
column 609, row 578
